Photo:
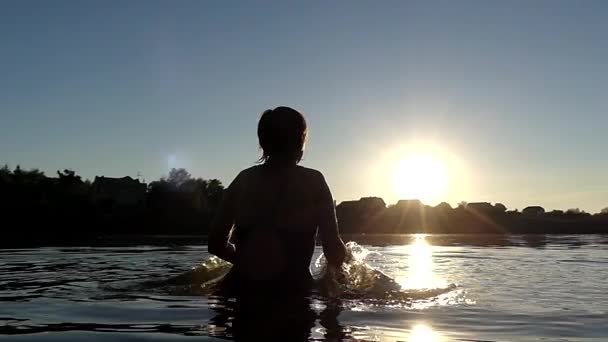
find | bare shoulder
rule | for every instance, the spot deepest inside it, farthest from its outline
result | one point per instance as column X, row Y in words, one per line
column 245, row 175
column 309, row 171
column 312, row 176
column 249, row 171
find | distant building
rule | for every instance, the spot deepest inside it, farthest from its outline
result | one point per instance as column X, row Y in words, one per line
column 366, row 205
column 124, row 191
column 481, row 207
column 533, row 211
column 372, row 204
column 348, row 204
column 356, row 216
column 409, row 204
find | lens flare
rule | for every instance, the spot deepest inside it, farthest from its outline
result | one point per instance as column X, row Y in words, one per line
column 424, row 171
column 420, row 267
column 423, row 333
column 422, row 177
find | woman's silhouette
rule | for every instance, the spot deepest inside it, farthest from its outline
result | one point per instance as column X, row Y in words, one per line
column 269, row 217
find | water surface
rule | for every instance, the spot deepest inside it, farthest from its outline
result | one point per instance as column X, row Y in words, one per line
column 511, row 288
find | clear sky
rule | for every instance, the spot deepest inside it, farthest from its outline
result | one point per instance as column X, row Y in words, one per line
column 515, row 91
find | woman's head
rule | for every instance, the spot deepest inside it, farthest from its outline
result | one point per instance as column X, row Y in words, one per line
column 282, row 134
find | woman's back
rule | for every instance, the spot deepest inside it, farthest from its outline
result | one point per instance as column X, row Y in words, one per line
column 270, row 214
column 287, row 197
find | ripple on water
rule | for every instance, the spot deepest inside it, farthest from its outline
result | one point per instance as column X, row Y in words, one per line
column 519, row 293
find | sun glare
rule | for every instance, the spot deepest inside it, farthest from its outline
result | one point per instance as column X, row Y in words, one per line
column 420, row 273
column 423, row 333
column 421, row 176
column 424, row 171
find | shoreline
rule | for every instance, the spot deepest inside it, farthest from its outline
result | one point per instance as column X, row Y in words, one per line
column 380, row 239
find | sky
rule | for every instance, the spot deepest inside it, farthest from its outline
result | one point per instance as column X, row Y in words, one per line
column 509, row 95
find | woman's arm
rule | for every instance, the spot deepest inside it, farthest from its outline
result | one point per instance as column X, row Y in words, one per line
column 221, row 225
column 333, row 247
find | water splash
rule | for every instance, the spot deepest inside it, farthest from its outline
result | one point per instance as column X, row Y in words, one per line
column 202, row 279
column 355, row 279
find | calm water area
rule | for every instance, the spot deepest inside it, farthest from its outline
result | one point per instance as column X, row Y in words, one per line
column 509, row 288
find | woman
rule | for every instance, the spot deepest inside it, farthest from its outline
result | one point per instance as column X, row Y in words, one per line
column 276, row 209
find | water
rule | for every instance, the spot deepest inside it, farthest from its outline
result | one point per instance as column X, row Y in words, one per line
column 510, row 288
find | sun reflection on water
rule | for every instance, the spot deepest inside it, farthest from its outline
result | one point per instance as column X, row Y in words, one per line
column 420, row 266
column 423, row 333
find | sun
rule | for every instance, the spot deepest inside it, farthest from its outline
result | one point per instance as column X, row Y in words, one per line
column 421, row 176
column 427, row 171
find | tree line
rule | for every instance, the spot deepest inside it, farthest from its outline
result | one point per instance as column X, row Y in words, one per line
column 371, row 214
column 39, row 209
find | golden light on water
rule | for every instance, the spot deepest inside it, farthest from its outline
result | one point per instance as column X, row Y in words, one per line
column 420, row 274
column 423, row 333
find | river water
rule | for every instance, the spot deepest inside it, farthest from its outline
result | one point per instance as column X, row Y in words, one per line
column 509, row 288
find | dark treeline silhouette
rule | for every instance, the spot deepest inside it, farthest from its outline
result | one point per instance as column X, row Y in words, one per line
column 37, row 209
column 371, row 215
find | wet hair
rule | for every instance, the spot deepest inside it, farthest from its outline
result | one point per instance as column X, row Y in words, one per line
column 282, row 135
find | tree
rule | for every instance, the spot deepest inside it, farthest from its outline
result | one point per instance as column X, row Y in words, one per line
column 604, row 211
column 180, row 190
column 177, row 177
column 443, row 206
column 68, row 177
column 500, row 207
column 33, row 176
column 575, row 211
column 19, row 175
column 5, row 174
column 5, row 170
column 214, row 192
